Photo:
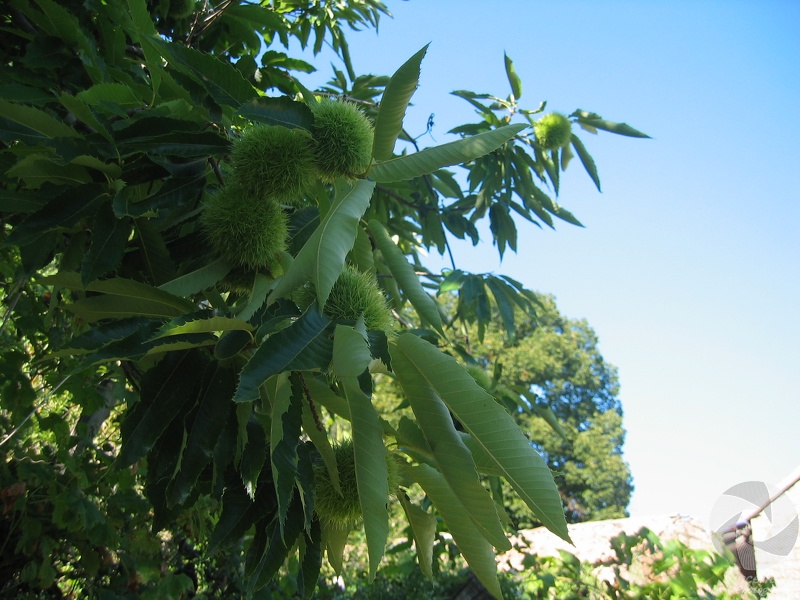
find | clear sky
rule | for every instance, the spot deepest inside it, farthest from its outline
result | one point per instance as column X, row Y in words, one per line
column 689, row 266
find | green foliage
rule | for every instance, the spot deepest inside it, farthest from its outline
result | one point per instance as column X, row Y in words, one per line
column 564, row 395
column 165, row 398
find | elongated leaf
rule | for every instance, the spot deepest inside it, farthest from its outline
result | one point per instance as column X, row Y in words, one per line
column 281, row 541
column 30, row 125
column 322, row 257
column 452, row 457
column 310, row 560
column 594, row 120
column 167, row 390
column 287, row 411
column 216, row 390
column 197, row 280
column 154, row 251
column 98, row 308
column 351, row 355
column 304, row 345
column 109, row 236
column 586, row 160
column 371, row 470
column 281, row 111
column 491, row 427
column 405, row 276
column 63, row 211
column 225, row 84
column 513, row 79
column 205, row 323
column 473, row 546
column 239, row 513
column 453, row 153
column 398, row 92
column 423, row 528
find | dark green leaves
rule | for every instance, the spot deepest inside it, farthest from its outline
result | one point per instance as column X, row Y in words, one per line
column 304, row 345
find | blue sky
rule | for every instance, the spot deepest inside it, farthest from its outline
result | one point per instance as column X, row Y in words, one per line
column 689, row 265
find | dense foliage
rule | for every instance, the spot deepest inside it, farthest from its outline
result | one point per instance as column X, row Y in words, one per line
column 173, row 366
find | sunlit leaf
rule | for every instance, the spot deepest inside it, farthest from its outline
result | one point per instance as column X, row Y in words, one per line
column 405, row 276
column 513, row 79
column 396, row 96
column 491, row 427
column 322, row 257
column 453, row 153
column 473, row 546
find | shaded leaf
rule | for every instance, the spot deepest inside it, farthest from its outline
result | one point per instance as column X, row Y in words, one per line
column 214, row 405
column 168, row 389
column 423, row 528
column 281, row 111
column 195, row 281
column 304, row 345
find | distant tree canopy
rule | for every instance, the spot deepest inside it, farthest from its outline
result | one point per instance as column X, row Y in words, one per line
column 557, row 361
column 206, row 266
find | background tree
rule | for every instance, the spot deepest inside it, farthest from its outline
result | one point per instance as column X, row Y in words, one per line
column 558, row 361
column 184, row 326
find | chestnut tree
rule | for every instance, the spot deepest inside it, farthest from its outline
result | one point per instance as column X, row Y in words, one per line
column 204, row 266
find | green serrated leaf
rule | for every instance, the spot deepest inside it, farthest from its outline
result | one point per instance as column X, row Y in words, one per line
column 452, row 457
column 214, row 405
column 398, row 92
column 473, row 546
column 586, row 160
column 453, row 153
column 281, row 111
column 405, row 276
column 198, row 280
column 286, row 420
column 491, row 427
column 423, row 528
column 304, row 345
column 371, row 470
column 30, row 125
column 222, row 81
column 109, row 237
column 322, row 257
column 203, row 323
column 168, row 389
